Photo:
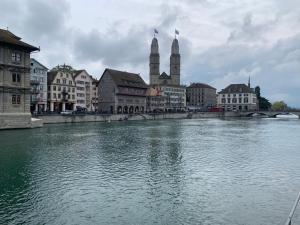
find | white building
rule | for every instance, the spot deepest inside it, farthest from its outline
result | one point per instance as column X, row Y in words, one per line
column 61, row 89
column 175, row 97
column 237, row 97
column 84, row 90
column 38, row 82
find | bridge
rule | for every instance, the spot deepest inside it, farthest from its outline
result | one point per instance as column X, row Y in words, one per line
column 270, row 113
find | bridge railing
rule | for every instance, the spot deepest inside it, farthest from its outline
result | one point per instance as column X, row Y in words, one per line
column 289, row 220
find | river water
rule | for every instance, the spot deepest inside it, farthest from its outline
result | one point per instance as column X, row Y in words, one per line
column 237, row 172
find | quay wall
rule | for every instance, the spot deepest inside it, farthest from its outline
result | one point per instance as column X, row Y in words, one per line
column 50, row 119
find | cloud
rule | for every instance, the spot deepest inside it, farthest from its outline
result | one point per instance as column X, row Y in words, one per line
column 221, row 42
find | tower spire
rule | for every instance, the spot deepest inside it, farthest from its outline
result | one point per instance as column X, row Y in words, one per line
column 249, row 84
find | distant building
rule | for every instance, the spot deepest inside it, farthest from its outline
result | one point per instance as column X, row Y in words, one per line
column 38, row 82
column 237, row 97
column 121, row 92
column 156, row 102
column 61, row 89
column 83, row 90
column 201, row 96
column 95, row 94
column 175, row 97
column 14, row 81
column 154, row 65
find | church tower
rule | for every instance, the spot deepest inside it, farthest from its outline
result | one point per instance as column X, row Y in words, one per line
column 154, row 62
column 175, row 63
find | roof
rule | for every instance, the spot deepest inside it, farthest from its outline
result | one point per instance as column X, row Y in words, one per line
column 237, row 88
column 126, row 79
column 164, row 76
column 50, row 76
column 9, row 38
column 77, row 72
column 200, row 85
column 32, row 59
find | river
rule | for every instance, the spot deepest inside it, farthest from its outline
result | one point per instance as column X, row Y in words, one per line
column 212, row 171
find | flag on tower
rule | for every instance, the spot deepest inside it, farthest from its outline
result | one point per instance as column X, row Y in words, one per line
column 176, row 32
column 155, row 31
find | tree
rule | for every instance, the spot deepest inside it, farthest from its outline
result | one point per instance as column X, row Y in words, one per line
column 263, row 103
column 279, row 106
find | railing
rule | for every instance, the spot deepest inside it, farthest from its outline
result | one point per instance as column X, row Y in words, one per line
column 289, row 220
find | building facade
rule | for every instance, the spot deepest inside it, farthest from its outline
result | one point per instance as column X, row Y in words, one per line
column 61, row 89
column 38, row 82
column 154, row 65
column 156, row 102
column 201, row 96
column 237, row 97
column 175, row 97
column 14, row 81
column 95, row 95
column 121, row 92
column 83, row 90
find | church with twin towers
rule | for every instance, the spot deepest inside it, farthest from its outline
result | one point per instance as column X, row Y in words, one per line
column 157, row 78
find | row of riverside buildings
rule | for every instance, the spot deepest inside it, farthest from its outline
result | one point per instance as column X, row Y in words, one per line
column 26, row 85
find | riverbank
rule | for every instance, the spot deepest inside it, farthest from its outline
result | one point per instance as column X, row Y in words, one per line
column 52, row 119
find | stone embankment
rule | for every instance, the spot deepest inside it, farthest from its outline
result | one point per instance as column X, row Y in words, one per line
column 50, row 119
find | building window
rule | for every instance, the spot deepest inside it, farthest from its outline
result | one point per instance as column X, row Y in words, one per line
column 58, row 96
column 16, row 99
column 54, row 95
column 234, row 100
column 59, row 88
column 73, row 96
column 64, row 81
column 223, row 100
column 16, row 77
column 58, row 81
column 70, row 82
column 228, row 100
column 73, row 90
column 245, row 100
column 54, row 88
column 240, row 100
column 16, row 57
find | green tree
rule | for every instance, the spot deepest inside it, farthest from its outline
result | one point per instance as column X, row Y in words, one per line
column 279, row 106
column 264, row 103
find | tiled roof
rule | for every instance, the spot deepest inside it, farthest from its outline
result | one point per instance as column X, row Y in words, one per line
column 126, row 79
column 237, row 88
column 9, row 38
column 200, row 85
column 164, row 76
column 77, row 72
column 50, row 76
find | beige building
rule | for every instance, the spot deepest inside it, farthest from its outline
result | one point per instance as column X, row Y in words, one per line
column 61, row 89
column 121, row 92
column 201, row 96
column 237, row 97
column 14, row 81
column 156, row 102
column 83, row 90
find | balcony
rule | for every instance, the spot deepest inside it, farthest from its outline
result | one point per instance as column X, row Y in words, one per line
column 34, row 82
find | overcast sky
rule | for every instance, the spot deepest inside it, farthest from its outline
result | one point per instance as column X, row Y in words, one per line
column 221, row 41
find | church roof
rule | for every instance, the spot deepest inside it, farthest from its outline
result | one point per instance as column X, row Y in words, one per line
column 237, row 88
column 9, row 38
column 126, row 79
column 164, row 76
column 200, row 85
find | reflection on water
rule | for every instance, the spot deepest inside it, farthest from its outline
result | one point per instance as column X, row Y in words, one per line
column 151, row 172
